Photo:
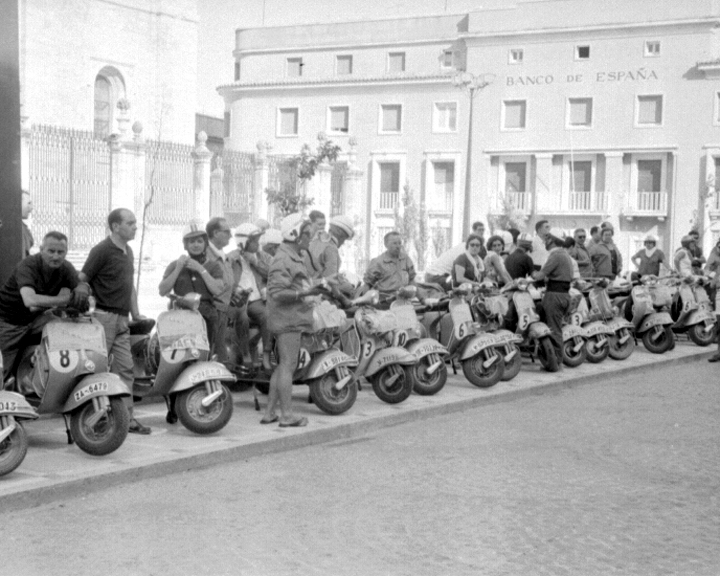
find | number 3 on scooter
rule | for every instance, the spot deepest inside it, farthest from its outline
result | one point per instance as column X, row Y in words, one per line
column 64, row 360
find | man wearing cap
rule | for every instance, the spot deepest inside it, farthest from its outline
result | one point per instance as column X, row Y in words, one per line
column 390, row 271
column 581, row 255
column 324, row 256
column 519, row 264
column 605, row 257
column 558, row 274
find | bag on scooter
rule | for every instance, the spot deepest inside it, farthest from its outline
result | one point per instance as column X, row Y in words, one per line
column 327, row 315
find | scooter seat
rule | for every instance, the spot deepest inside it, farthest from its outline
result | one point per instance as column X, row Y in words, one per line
column 141, row 327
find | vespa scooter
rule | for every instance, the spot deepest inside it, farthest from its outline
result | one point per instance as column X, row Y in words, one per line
column 646, row 308
column 13, row 438
column 692, row 312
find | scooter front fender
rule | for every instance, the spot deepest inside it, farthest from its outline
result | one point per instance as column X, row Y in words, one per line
column 699, row 316
column 504, row 337
column 327, row 361
column 14, row 404
column 93, row 386
column 201, row 372
column 537, row 330
column 655, row 319
column 387, row 356
column 477, row 344
column 570, row 331
column 425, row 347
column 619, row 323
column 594, row 328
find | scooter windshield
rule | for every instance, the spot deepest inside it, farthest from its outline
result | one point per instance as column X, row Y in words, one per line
column 181, row 329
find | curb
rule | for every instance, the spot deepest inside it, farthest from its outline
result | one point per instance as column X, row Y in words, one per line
column 39, row 495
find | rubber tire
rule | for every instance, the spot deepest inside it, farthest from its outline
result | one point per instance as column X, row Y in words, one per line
column 621, row 353
column 397, row 393
column 116, row 423
column 700, row 337
column 512, row 369
column 547, row 356
column 13, row 449
column 478, row 376
column 328, row 399
column 596, row 358
column 666, row 341
column 427, row 386
column 212, row 418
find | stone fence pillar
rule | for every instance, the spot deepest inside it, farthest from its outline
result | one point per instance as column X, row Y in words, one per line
column 201, row 156
column 261, row 179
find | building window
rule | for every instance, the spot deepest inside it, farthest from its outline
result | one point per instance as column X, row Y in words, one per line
column 652, row 48
column 109, row 88
column 649, row 110
column 444, row 177
column 338, row 119
column 237, row 71
column 582, row 52
column 515, row 56
column 287, row 123
column 445, row 117
column 390, row 118
column 396, row 62
column 448, row 60
column 579, row 113
column 648, row 183
column 389, row 185
column 294, row 67
column 515, row 185
column 649, row 175
column 514, row 114
column 344, row 65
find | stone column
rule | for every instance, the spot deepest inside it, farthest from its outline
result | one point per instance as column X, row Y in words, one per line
column 201, row 156
column 354, row 253
column 216, row 189
column 261, row 181
column 322, row 189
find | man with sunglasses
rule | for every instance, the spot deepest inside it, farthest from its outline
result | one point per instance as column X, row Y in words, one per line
column 581, row 255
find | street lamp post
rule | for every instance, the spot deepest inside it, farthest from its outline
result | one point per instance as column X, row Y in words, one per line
column 472, row 84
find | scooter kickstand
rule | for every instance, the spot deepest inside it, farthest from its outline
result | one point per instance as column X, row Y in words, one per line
column 70, row 438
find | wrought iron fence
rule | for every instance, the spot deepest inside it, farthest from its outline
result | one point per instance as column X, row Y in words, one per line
column 388, row 200
column 238, row 187
column 69, row 179
column 169, row 181
column 337, row 189
column 281, row 174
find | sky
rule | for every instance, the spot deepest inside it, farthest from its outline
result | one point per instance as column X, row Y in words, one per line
column 220, row 18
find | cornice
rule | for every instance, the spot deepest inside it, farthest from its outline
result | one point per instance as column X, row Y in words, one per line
column 579, row 150
column 335, row 82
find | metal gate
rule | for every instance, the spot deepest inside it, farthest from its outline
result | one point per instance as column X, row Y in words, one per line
column 337, row 189
column 69, row 180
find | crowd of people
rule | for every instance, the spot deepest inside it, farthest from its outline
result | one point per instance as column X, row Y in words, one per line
column 268, row 280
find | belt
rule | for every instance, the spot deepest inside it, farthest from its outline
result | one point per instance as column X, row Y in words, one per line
column 558, row 286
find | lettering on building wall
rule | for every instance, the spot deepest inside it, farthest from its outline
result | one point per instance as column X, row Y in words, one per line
column 608, row 76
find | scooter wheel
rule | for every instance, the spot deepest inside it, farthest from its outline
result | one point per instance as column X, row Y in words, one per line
column 658, row 341
column 390, row 389
column 619, row 351
column 203, row 419
column 547, row 355
column 697, row 334
column 13, row 449
column 328, row 398
column 427, row 384
column 571, row 357
column 513, row 367
column 109, row 432
column 480, row 375
column 596, row 353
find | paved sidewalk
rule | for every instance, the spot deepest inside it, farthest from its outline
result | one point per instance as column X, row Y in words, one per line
column 54, row 470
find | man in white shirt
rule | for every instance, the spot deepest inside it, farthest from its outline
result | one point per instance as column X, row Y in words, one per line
column 539, row 252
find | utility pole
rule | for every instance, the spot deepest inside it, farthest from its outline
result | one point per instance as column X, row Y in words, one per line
column 472, row 84
column 10, row 171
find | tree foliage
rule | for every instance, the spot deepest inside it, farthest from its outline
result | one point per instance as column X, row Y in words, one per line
column 509, row 217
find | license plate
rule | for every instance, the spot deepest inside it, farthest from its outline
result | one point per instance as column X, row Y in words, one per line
column 206, row 374
column 8, row 406
column 330, row 363
column 427, row 349
column 89, row 389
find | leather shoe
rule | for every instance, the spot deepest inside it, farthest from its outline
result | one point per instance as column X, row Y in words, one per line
column 137, row 428
column 714, row 358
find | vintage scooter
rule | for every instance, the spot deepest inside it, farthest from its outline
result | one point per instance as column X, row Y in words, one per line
column 466, row 341
column 536, row 336
column 691, row 311
column 67, row 374
column 607, row 334
column 646, row 308
column 174, row 363
column 376, row 339
column 429, row 373
column 14, row 409
column 489, row 309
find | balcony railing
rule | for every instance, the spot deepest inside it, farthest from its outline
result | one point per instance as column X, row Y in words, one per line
column 388, row 200
column 520, row 200
column 587, row 201
column 647, row 204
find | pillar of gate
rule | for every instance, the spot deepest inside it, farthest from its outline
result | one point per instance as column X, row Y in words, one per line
column 202, row 157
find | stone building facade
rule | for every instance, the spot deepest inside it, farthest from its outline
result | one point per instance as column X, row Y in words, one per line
column 594, row 111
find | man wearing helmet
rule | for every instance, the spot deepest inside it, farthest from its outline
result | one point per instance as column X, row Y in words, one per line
column 252, row 282
column 649, row 258
column 271, row 241
column 519, row 264
column 324, row 257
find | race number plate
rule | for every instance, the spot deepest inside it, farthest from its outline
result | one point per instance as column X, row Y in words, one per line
column 64, row 360
column 89, row 389
column 462, row 319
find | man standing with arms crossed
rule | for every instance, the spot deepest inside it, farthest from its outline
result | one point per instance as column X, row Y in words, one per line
column 109, row 270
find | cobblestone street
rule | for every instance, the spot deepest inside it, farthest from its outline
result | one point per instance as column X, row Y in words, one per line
column 613, row 478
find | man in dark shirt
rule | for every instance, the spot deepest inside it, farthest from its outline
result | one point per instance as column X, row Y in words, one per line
column 518, row 263
column 558, row 274
column 109, row 270
column 39, row 281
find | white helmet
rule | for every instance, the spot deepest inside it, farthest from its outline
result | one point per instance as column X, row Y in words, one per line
column 345, row 224
column 246, row 231
column 273, row 236
column 291, row 226
column 651, row 238
column 507, row 238
column 525, row 241
column 193, row 229
column 557, row 232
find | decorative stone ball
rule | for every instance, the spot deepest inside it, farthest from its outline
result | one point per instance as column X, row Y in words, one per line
column 137, row 127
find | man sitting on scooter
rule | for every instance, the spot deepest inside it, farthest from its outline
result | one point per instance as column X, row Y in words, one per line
column 39, row 281
column 252, row 284
column 390, row 271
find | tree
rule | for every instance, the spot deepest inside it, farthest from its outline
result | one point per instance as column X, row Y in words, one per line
column 509, row 217
column 292, row 197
